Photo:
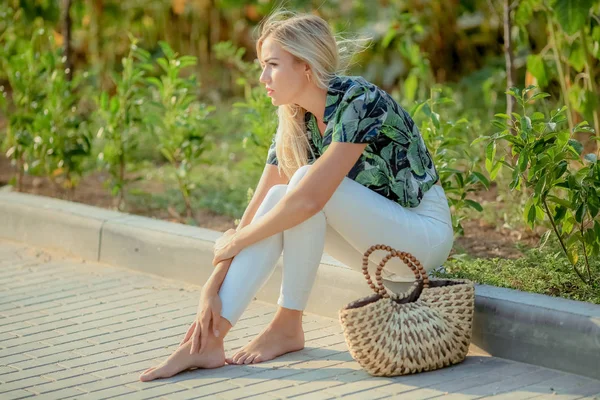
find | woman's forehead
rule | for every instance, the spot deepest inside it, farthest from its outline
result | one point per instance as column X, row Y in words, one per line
column 271, row 49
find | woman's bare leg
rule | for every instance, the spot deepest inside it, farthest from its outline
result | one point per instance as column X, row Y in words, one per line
column 212, row 356
column 283, row 335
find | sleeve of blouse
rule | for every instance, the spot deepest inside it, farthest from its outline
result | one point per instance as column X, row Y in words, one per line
column 359, row 116
column 271, row 156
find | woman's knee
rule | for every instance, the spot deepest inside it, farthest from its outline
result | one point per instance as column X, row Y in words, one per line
column 298, row 175
column 273, row 196
column 275, row 193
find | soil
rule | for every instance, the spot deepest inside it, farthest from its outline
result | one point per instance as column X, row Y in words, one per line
column 91, row 191
column 481, row 239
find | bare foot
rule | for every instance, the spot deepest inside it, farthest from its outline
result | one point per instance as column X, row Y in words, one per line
column 272, row 342
column 181, row 360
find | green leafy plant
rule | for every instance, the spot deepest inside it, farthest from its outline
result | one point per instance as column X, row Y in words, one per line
column 407, row 59
column 63, row 141
column 447, row 141
column 22, row 71
column 256, row 111
column 19, row 20
column 46, row 134
column 546, row 163
column 570, row 55
column 121, row 119
column 179, row 121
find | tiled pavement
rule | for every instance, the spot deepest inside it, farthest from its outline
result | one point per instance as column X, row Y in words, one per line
column 75, row 329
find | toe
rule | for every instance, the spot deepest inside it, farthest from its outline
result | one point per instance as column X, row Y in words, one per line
column 242, row 359
column 149, row 375
column 238, row 356
column 250, row 358
column 148, row 370
column 257, row 359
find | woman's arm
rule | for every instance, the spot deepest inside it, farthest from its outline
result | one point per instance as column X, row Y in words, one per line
column 304, row 201
column 269, row 178
column 213, row 284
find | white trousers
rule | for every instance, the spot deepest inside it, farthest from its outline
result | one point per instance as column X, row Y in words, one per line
column 354, row 219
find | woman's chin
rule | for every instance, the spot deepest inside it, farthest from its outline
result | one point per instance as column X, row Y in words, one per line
column 276, row 102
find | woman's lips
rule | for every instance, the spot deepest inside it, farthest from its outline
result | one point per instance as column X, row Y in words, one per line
column 269, row 92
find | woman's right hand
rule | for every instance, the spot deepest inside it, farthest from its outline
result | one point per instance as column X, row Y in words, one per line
column 209, row 310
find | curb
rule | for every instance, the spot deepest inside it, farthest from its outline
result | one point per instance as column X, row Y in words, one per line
column 547, row 331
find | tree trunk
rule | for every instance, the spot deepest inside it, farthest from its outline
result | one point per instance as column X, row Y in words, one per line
column 509, row 58
column 95, row 36
column 20, row 173
column 591, row 78
column 562, row 78
column 66, row 27
column 121, row 201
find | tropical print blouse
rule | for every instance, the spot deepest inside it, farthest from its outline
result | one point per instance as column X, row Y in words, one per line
column 396, row 163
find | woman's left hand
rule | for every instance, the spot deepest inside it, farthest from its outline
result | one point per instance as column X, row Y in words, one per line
column 226, row 247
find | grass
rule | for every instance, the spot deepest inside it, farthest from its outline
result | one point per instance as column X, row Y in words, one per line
column 545, row 271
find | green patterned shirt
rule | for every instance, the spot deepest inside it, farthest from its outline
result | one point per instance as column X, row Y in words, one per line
column 395, row 163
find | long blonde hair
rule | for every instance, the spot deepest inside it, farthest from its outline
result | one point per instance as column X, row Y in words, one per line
column 308, row 38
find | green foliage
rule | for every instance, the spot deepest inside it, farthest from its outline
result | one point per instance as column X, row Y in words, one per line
column 256, row 112
column 403, row 39
column 538, row 68
column 46, row 135
column 447, row 141
column 246, row 73
column 572, row 14
column 121, row 119
column 177, row 119
column 19, row 20
column 570, row 55
column 545, row 161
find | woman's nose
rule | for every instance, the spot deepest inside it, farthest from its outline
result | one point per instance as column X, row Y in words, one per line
column 263, row 77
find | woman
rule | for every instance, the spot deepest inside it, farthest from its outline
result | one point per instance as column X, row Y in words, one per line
column 347, row 169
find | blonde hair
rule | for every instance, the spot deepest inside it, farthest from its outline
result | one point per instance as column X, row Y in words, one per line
column 307, row 38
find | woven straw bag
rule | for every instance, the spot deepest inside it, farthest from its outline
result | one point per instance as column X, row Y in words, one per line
column 426, row 328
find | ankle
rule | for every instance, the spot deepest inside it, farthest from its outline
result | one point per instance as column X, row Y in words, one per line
column 287, row 323
column 216, row 341
column 287, row 331
column 288, row 315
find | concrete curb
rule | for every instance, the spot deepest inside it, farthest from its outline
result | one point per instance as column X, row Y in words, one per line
column 542, row 330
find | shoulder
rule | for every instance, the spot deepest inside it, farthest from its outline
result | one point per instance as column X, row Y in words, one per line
column 369, row 93
column 380, row 102
column 350, row 87
column 357, row 93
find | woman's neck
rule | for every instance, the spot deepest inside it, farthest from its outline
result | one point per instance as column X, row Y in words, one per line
column 313, row 100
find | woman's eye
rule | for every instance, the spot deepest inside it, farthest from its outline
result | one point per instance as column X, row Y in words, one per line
column 263, row 66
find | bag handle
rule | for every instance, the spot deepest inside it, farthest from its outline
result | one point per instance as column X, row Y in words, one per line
column 409, row 259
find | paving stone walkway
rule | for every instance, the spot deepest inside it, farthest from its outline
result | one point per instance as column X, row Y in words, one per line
column 74, row 329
